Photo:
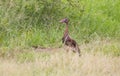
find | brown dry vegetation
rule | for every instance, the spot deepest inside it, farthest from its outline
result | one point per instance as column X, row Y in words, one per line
column 63, row 65
column 93, row 62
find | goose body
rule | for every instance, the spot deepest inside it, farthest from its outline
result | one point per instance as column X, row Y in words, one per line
column 67, row 40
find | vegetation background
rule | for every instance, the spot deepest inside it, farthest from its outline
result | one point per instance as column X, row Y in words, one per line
column 94, row 24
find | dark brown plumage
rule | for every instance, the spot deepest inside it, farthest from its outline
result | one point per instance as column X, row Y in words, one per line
column 67, row 40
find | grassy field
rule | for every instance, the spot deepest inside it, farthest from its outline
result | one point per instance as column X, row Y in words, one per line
column 56, row 62
column 63, row 65
column 94, row 24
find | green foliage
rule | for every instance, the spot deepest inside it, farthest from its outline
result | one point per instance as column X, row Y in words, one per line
column 25, row 23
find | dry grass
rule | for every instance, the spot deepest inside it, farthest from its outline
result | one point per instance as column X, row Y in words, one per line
column 64, row 64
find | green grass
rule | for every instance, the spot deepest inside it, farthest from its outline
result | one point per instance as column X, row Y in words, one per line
column 37, row 24
column 24, row 24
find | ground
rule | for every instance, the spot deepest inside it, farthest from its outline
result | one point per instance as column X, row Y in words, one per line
column 58, row 62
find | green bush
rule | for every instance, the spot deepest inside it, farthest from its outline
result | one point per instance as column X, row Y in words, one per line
column 24, row 23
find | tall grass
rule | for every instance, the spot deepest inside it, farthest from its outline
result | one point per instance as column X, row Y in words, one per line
column 66, row 64
column 26, row 23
